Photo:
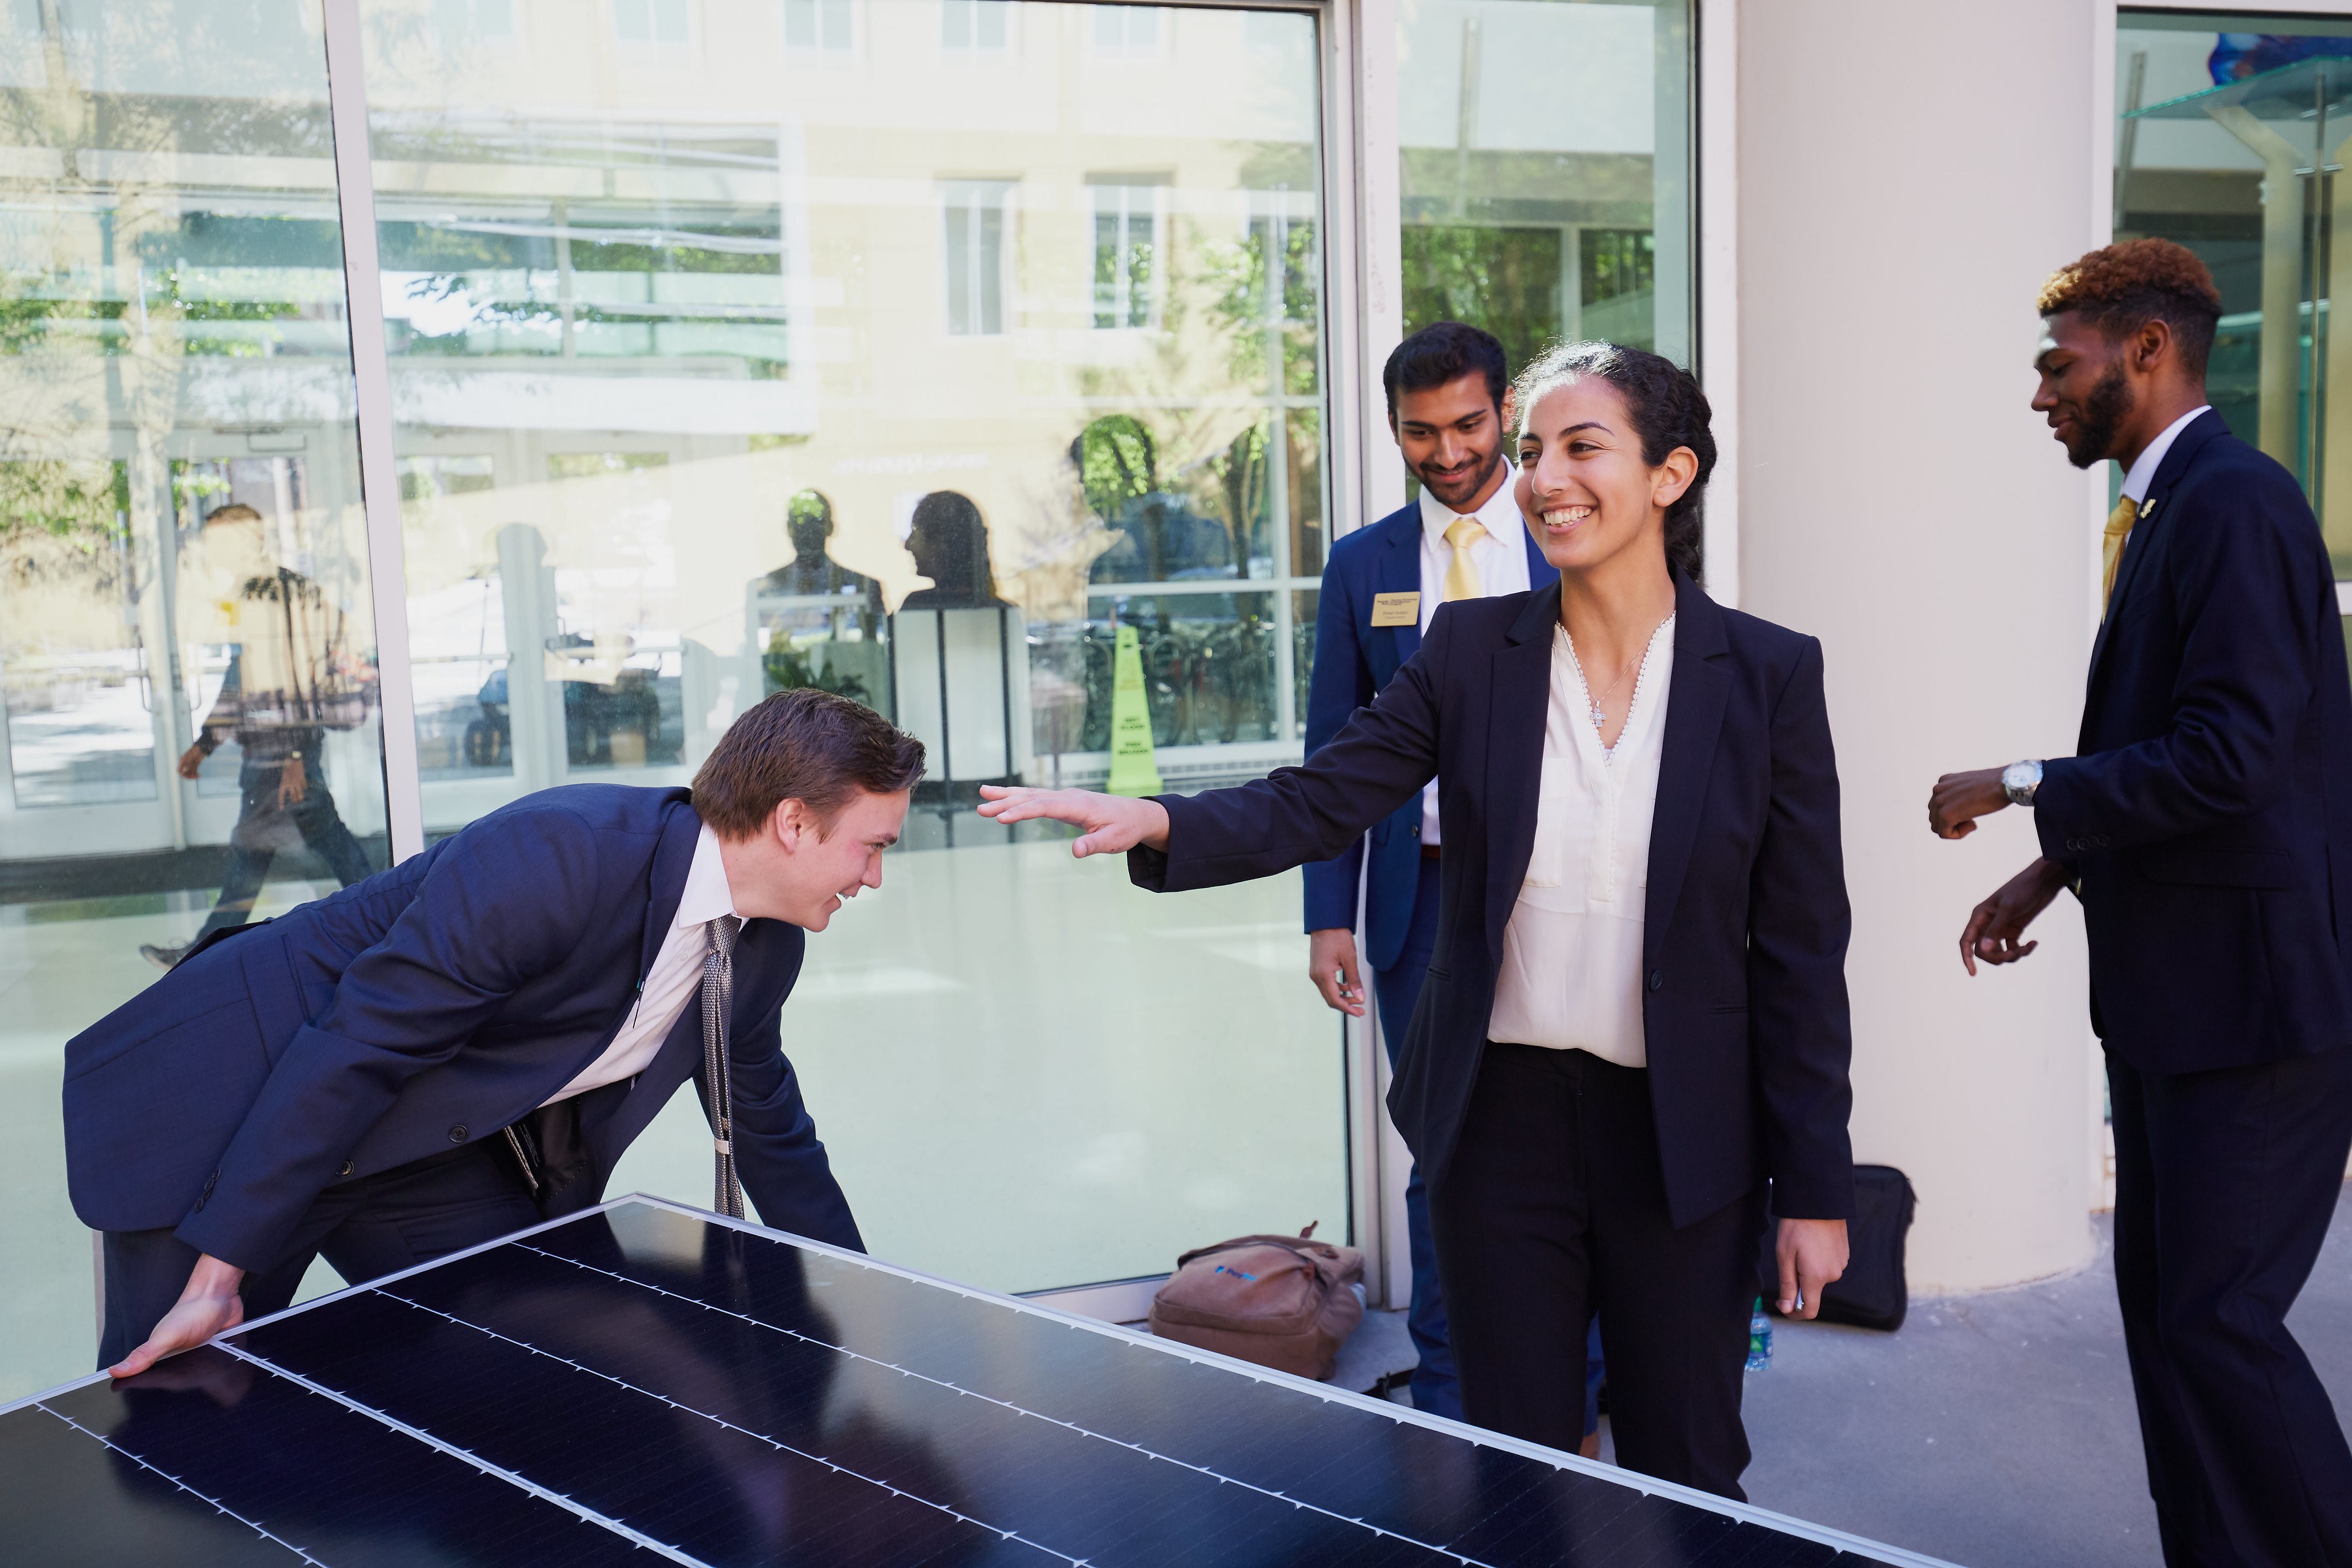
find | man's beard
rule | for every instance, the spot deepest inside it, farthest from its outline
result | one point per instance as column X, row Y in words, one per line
column 2104, row 412
column 1475, row 482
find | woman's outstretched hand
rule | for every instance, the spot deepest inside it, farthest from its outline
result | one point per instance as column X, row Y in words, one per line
column 1113, row 824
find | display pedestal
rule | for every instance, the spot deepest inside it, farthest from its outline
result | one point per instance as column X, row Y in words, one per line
column 959, row 684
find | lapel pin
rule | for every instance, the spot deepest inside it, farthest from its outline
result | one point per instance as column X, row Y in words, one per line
column 2145, row 507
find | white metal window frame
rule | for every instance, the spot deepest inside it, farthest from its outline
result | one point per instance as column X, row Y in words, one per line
column 1363, row 322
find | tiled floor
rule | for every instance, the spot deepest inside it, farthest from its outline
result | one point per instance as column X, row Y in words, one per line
column 1029, row 1074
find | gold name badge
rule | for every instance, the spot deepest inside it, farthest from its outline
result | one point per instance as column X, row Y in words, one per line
column 1396, row 609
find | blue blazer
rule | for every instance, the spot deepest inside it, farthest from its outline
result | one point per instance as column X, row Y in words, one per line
column 2208, row 811
column 431, row 1004
column 1743, row 954
column 1354, row 660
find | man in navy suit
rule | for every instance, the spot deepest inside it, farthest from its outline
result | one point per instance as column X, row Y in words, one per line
column 456, row 1048
column 2205, row 826
column 1463, row 538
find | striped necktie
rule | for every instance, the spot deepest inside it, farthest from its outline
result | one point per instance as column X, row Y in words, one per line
column 718, row 1002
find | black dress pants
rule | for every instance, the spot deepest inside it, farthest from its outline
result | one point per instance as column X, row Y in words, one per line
column 2225, row 1182
column 366, row 1228
column 1554, row 1209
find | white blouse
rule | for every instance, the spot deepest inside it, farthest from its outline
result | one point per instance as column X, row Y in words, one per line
column 1571, row 974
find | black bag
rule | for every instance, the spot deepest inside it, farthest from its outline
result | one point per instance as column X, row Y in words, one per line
column 1873, row 1294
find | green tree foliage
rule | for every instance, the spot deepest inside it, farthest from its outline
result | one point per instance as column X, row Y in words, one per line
column 1504, row 279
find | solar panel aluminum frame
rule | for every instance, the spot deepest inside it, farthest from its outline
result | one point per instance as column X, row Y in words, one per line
column 1896, row 1557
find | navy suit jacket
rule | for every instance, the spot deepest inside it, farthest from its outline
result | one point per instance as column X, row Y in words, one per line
column 431, row 1004
column 2209, row 814
column 1353, row 661
column 1743, row 951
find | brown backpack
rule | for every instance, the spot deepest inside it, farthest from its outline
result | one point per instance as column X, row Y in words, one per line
column 1283, row 1301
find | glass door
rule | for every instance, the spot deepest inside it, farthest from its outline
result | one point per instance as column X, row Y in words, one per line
column 917, row 350
column 186, row 653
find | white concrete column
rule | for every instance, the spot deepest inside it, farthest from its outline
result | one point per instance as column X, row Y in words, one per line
column 1909, row 174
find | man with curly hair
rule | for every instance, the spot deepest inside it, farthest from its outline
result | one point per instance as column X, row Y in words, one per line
column 2205, row 826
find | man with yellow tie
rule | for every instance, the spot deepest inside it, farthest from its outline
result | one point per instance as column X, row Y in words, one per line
column 1463, row 538
column 2206, row 825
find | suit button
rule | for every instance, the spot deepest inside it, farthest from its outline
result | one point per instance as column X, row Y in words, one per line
column 1657, row 979
column 2072, row 845
column 346, row 1170
column 458, row 1133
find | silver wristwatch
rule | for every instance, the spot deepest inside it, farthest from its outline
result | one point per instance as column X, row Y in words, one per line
column 2019, row 780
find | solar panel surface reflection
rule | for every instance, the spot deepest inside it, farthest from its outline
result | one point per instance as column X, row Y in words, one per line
column 645, row 1378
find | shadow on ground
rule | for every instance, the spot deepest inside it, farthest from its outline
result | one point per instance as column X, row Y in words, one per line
column 1995, row 1430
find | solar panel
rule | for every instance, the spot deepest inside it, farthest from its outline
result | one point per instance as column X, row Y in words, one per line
column 645, row 1378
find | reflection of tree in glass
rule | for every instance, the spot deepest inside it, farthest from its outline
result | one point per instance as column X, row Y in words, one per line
column 111, row 268
column 65, row 517
column 1241, row 475
column 1237, row 271
column 1117, row 463
column 1160, row 538
column 1506, row 280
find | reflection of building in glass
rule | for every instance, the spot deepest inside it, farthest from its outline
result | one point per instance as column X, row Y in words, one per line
column 690, row 307
column 1544, row 151
column 748, row 306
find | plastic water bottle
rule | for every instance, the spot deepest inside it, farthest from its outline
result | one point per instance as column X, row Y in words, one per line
column 1760, row 1338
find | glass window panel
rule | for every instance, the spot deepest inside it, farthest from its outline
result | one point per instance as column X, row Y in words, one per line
column 1130, row 30
column 813, row 26
column 633, row 22
column 1539, row 205
column 2219, row 119
column 187, row 652
column 1126, row 236
column 700, row 398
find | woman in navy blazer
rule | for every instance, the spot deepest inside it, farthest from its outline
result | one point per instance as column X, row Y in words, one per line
column 1563, row 1183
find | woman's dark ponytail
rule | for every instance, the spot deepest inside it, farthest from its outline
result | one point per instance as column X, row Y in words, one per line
column 1668, row 410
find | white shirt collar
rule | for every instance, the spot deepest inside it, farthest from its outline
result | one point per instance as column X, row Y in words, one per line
column 706, row 895
column 1499, row 516
column 2144, row 466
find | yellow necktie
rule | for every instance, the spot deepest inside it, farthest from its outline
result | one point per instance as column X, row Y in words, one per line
column 1462, row 576
column 2119, row 527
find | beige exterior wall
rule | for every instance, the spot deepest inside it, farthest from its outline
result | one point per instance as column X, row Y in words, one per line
column 1908, row 175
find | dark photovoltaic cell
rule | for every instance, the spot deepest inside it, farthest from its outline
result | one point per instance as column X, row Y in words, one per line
column 645, row 1380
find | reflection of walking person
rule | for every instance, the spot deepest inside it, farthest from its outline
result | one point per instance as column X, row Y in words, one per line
column 287, row 686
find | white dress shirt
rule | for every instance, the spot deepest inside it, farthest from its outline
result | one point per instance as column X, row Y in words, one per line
column 1501, row 559
column 2143, row 469
column 670, row 984
column 1571, row 974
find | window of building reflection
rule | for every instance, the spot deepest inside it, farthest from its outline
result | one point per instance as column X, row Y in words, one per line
column 913, row 370
column 187, row 654
column 1547, row 170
